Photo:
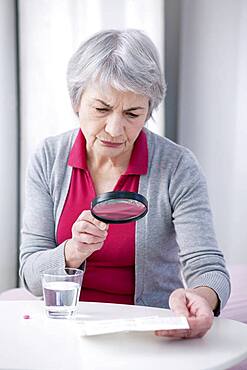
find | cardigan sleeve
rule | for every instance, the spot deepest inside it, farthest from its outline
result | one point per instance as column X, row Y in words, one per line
column 38, row 251
column 202, row 261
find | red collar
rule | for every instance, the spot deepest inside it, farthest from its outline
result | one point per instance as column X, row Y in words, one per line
column 78, row 156
column 138, row 164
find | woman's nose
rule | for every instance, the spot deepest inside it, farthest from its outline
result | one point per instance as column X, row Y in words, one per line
column 115, row 125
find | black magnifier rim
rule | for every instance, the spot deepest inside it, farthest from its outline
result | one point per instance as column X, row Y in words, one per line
column 111, row 195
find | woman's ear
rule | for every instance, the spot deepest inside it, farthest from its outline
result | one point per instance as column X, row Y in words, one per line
column 76, row 109
column 76, row 106
column 149, row 112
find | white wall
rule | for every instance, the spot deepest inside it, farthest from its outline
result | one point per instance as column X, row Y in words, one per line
column 213, row 110
column 8, row 147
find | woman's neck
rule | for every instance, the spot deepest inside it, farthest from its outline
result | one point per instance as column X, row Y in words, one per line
column 105, row 172
column 106, row 164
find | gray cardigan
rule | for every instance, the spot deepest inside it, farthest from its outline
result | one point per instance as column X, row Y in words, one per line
column 174, row 242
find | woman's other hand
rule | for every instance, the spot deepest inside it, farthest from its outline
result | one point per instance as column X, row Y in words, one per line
column 195, row 307
column 88, row 236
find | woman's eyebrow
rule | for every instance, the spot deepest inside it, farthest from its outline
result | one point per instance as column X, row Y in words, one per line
column 125, row 110
column 133, row 108
column 102, row 102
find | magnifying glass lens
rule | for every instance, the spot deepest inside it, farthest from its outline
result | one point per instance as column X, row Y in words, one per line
column 119, row 207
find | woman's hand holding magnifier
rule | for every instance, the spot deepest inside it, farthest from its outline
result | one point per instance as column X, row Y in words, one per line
column 88, row 236
column 90, row 229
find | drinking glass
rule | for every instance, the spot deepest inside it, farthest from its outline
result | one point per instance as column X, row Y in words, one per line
column 61, row 291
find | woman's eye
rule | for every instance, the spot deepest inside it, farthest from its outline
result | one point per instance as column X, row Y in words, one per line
column 132, row 115
column 102, row 110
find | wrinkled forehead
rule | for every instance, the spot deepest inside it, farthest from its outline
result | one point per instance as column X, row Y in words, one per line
column 113, row 96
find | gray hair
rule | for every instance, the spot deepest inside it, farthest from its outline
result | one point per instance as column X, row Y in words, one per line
column 125, row 60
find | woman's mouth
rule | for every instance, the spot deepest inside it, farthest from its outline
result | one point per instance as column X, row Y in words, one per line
column 110, row 144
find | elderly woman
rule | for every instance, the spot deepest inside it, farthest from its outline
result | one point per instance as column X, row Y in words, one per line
column 115, row 83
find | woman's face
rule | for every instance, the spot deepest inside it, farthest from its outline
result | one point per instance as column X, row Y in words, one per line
column 111, row 120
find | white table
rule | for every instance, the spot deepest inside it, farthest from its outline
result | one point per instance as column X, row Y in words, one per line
column 43, row 344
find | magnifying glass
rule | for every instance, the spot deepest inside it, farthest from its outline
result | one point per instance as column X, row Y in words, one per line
column 119, row 207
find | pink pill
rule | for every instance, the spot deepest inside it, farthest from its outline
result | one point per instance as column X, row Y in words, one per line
column 26, row 317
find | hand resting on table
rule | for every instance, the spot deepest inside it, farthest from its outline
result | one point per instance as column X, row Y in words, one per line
column 197, row 310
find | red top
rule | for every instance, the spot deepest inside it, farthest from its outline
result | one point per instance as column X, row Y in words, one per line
column 110, row 272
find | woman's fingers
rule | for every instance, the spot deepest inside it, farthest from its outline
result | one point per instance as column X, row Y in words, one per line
column 87, row 216
column 89, row 230
column 178, row 302
column 87, row 227
column 173, row 333
column 88, row 233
